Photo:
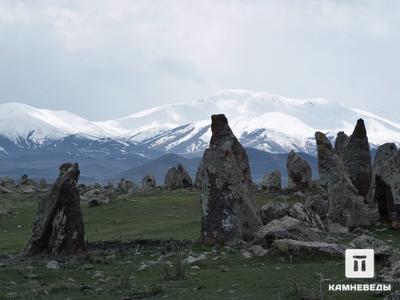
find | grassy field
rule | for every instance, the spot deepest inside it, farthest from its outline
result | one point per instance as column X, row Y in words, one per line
column 156, row 272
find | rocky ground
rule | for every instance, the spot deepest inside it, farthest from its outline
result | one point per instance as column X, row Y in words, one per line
column 144, row 245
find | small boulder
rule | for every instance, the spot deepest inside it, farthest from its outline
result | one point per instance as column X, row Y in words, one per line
column 286, row 228
column 273, row 210
column 296, row 247
column 364, row 241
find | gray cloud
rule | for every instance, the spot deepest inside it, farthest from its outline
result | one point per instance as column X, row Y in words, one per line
column 105, row 59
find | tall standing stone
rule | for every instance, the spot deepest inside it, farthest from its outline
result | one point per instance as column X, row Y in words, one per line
column 229, row 211
column 59, row 228
column 357, row 159
column 299, row 172
column 385, row 189
column 383, row 154
column 340, row 143
column 345, row 205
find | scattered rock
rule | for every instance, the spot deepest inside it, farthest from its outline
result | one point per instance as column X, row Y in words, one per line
column 299, row 172
column 307, row 247
column 318, row 205
column 273, row 210
column 272, row 182
column 257, row 250
column 59, row 228
column 286, row 228
column 228, row 207
column 53, row 265
column 364, row 241
column 177, row 178
column 127, row 187
column 298, row 212
column 346, row 207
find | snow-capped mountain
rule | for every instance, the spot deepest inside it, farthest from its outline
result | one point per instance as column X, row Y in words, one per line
column 261, row 120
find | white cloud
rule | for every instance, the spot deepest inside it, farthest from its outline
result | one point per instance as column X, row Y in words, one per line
column 112, row 51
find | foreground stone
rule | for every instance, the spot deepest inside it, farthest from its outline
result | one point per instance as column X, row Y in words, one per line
column 272, row 182
column 299, row 172
column 381, row 249
column 229, row 211
column 273, row 210
column 177, row 178
column 286, row 228
column 346, row 207
column 385, row 188
column 357, row 159
column 296, row 247
column 59, row 228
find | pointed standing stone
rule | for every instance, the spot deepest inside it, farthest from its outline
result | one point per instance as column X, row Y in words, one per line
column 357, row 159
column 59, row 228
column 340, row 144
column 345, row 206
column 177, row 178
column 229, row 211
column 299, row 172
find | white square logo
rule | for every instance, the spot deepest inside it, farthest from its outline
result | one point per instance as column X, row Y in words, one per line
column 360, row 263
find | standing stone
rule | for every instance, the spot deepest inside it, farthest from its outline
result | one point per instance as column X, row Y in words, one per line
column 345, row 205
column 272, row 181
column 229, row 211
column 127, row 187
column 177, row 178
column 383, row 154
column 357, row 159
column 197, row 181
column 340, row 144
column 148, row 183
column 59, row 228
column 299, row 172
column 386, row 183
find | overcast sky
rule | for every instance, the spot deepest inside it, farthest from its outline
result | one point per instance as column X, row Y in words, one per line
column 106, row 59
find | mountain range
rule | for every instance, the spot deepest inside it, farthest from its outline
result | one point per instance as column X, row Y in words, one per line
column 35, row 141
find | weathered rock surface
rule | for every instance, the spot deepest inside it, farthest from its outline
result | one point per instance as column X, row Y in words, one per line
column 95, row 197
column 286, row 228
column 148, row 183
column 59, row 228
column 346, row 207
column 357, row 159
column 296, row 247
column 385, row 187
column 383, row 155
column 340, row 143
column 273, row 210
column 299, row 172
column 311, row 218
column 317, row 204
column 364, row 241
column 272, row 182
column 177, row 178
column 229, row 211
